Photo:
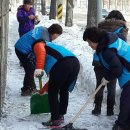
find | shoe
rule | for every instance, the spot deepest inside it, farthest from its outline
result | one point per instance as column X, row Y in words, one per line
column 21, row 64
column 28, row 91
column 54, row 122
column 116, row 127
column 110, row 113
column 110, row 108
column 61, row 118
column 127, row 127
column 97, row 110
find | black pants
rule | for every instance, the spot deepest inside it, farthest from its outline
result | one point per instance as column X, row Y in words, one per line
column 124, row 115
column 111, row 87
column 29, row 68
column 62, row 75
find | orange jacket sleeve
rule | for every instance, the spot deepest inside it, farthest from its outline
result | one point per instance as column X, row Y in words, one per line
column 39, row 50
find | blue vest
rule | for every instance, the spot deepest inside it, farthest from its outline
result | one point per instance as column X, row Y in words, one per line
column 123, row 50
column 59, row 53
column 95, row 56
column 118, row 30
column 51, row 59
column 24, row 44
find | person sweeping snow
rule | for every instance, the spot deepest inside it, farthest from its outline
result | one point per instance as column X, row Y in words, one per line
column 62, row 66
column 24, row 52
column 114, row 55
column 114, row 22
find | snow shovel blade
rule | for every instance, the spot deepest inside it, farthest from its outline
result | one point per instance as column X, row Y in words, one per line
column 68, row 127
column 39, row 104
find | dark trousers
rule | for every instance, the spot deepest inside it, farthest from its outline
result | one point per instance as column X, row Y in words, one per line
column 124, row 115
column 29, row 68
column 111, row 87
column 62, row 75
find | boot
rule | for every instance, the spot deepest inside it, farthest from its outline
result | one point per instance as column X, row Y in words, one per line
column 97, row 110
column 110, row 108
column 56, row 122
column 26, row 91
column 110, row 112
column 116, row 127
column 127, row 127
column 98, row 101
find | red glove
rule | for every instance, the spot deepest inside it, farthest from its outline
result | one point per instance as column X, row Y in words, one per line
column 44, row 89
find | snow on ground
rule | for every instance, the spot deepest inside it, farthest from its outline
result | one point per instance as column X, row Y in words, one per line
column 17, row 115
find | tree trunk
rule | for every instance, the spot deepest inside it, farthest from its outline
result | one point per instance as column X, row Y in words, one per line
column 122, row 5
column 92, row 16
column 99, row 10
column 115, row 4
column 43, row 7
column 109, row 4
column 103, row 3
column 69, row 13
column 128, row 5
column 52, row 10
column 34, row 3
column 4, row 22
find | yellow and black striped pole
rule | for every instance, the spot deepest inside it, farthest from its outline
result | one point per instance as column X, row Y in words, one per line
column 59, row 10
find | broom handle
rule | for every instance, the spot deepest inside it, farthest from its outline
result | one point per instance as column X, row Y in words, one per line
column 40, row 82
column 89, row 99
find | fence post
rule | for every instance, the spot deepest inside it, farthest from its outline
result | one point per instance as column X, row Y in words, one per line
column 59, row 10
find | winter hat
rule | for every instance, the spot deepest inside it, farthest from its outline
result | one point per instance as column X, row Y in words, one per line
column 26, row 1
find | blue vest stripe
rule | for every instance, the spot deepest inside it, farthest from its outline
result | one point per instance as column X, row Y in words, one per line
column 103, row 61
column 118, row 30
column 95, row 57
column 123, row 50
column 54, row 53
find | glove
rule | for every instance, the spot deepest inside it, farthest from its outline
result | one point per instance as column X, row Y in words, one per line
column 31, row 16
column 38, row 72
column 36, row 20
column 104, row 81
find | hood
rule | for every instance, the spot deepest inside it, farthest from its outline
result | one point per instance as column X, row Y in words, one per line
column 111, row 25
column 21, row 7
column 107, row 39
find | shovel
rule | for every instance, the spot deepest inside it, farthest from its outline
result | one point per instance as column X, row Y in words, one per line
column 39, row 103
column 69, row 126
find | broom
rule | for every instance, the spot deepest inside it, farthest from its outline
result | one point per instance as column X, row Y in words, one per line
column 39, row 102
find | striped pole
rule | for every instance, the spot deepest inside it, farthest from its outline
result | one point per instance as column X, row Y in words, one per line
column 59, row 10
